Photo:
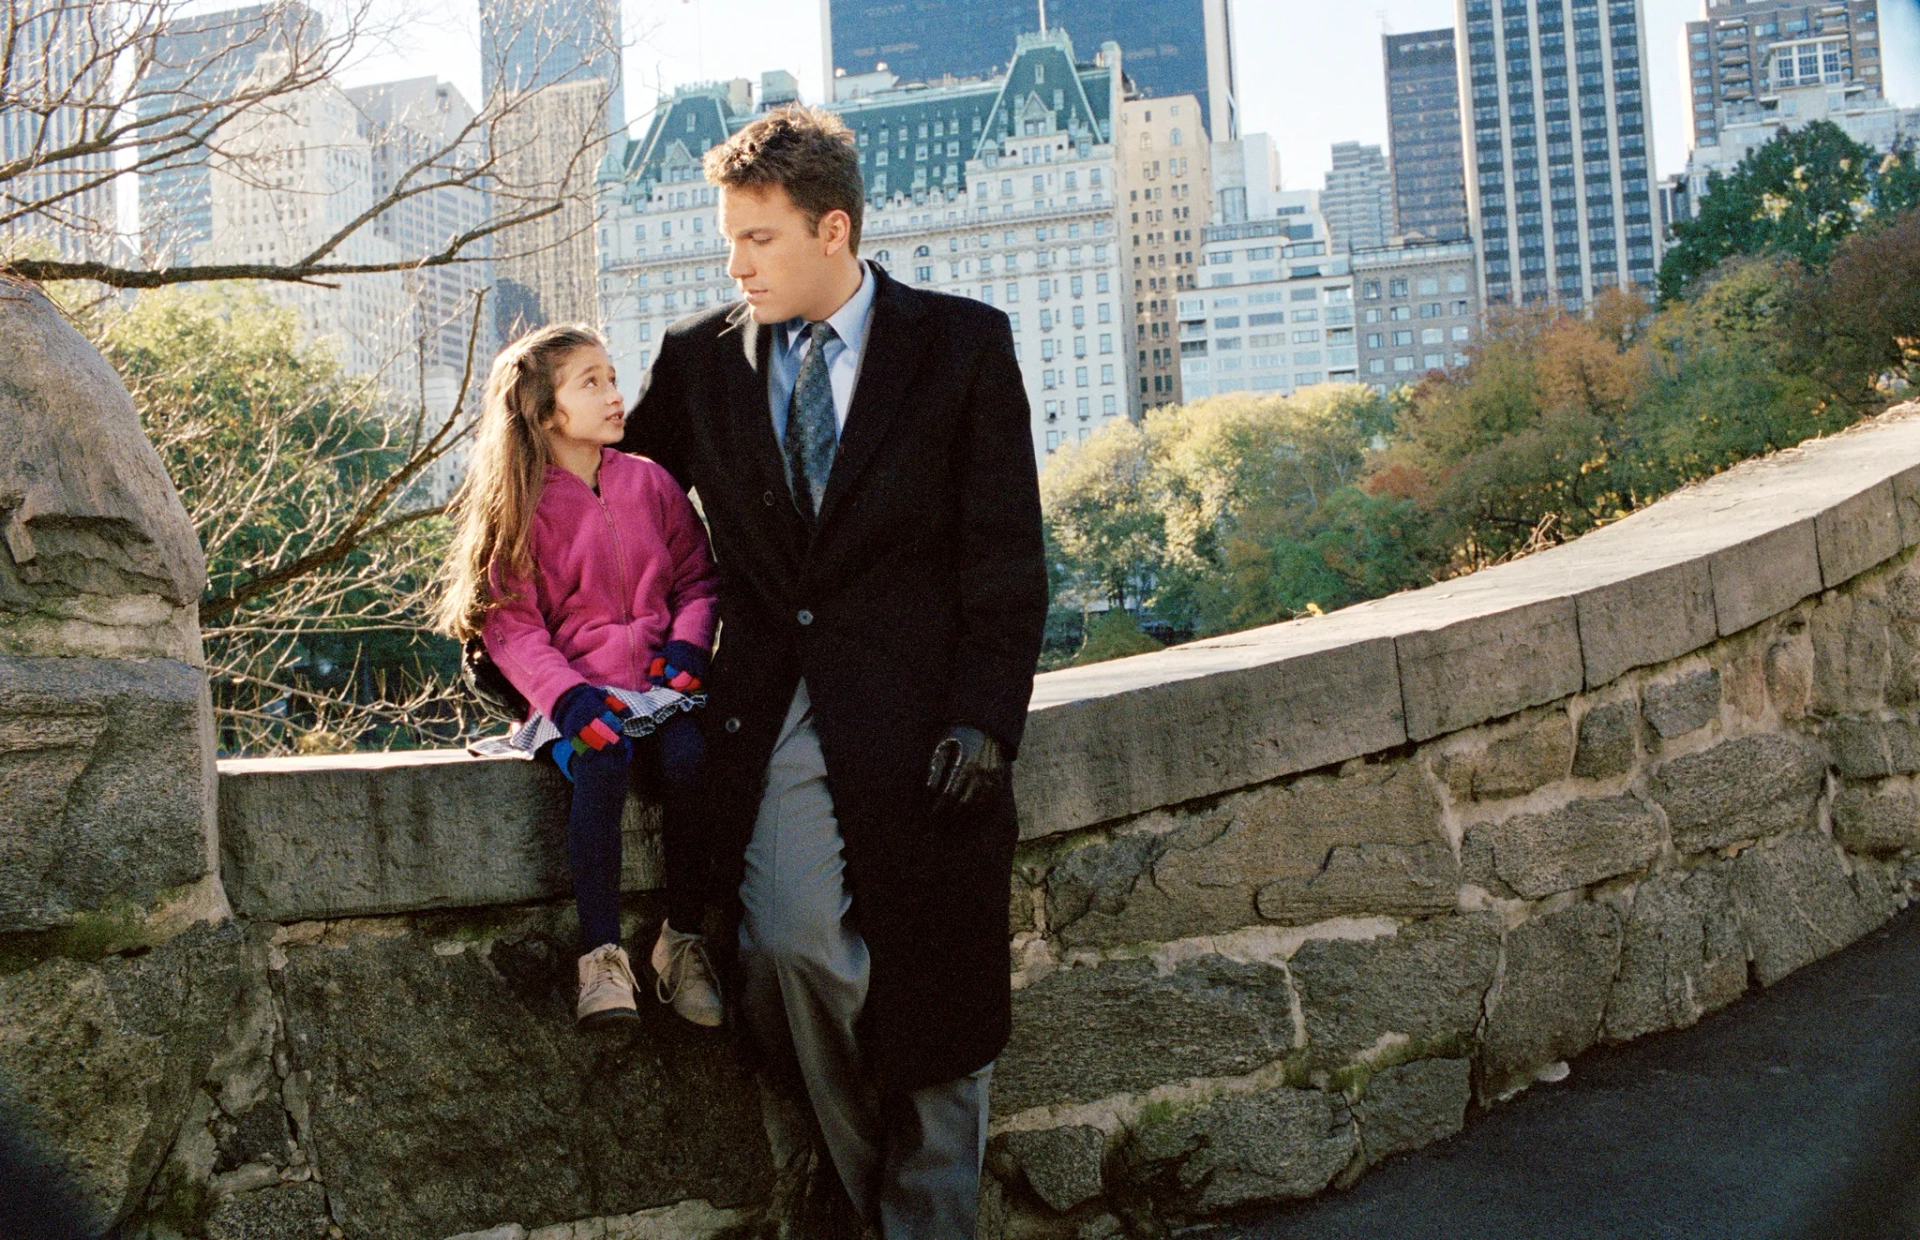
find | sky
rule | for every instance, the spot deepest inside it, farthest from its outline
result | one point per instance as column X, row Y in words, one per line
column 1310, row 70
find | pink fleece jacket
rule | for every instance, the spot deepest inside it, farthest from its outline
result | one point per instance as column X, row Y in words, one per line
column 617, row 576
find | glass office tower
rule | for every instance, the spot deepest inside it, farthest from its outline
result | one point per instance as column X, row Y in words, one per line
column 1559, row 148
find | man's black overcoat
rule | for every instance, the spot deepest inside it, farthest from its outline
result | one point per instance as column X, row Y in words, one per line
column 916, row 602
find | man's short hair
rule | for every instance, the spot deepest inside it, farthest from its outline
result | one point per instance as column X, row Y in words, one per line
column 808, row 152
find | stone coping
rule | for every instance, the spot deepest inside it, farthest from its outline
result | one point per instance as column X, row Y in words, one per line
column 1122, row 738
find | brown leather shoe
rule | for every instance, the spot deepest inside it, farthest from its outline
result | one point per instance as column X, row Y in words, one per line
column 686, row 977
column 606, row 988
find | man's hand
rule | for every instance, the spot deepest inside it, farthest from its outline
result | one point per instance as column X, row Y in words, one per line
column 968, row 770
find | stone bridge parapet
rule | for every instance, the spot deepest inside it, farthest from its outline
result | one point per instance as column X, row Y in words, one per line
column 1287, row 902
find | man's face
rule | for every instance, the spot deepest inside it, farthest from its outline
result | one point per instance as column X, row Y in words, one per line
column 782, row 268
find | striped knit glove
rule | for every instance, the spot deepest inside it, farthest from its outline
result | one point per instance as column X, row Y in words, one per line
column 680, row 666
column 590, row 721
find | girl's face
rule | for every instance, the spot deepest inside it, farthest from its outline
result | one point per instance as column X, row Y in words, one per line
column 587, row 406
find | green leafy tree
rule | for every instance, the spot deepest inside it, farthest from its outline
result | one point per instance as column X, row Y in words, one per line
column 1719, row 386
column 1100, row 500
column 1524, row 445
column 1799, row 196
column 1855, row 327
column 303, row 487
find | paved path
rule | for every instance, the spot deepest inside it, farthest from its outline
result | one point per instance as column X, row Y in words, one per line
column 1794, row 1113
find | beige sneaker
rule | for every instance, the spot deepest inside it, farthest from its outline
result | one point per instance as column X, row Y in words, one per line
column 685, row 977
column 606, row 988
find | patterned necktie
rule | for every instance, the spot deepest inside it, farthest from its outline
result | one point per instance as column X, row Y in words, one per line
column 812, row 432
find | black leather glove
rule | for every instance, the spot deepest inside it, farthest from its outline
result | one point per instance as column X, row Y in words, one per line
column 968, row 770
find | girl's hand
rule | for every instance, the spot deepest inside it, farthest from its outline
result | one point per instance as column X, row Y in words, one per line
column 681, row 666
column 590, row 721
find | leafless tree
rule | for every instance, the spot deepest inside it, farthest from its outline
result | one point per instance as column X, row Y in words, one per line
column 321, row 505
column 92, row 90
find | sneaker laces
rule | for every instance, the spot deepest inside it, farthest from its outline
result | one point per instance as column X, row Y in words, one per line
column 607, row 965
column 685, row 953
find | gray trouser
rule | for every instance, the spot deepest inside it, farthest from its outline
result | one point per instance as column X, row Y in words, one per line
column 912, row 1163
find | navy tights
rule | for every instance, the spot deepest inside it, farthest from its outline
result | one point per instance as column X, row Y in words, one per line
column 666, row 764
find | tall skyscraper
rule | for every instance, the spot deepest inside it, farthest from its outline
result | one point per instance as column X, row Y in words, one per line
column 1743, row 51
column 284, row 181
column 1423, row 131
column 1562, row 199
column 1172, row 47
column 1358, row 201
column 51, row 73
column 197, row 61
column 1166, row 182
column 526, row 44
column 407, row 124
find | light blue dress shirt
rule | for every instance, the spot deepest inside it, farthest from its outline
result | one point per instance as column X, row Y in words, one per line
column 790, row 345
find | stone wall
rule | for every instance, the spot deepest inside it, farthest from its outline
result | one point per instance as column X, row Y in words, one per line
column 1287, row 903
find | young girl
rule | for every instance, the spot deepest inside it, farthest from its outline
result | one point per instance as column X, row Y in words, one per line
column 586, row 573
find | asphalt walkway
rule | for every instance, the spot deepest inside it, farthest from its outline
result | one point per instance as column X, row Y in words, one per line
column 1794, row 1113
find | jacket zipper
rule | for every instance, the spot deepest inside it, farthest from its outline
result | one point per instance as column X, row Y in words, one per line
column 626, row 616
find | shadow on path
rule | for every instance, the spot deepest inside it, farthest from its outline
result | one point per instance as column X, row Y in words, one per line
column 1794, row 1113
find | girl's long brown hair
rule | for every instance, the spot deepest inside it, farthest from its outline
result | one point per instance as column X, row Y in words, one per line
column 494, row 506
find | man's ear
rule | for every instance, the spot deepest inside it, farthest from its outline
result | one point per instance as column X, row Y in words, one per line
column 835, row 229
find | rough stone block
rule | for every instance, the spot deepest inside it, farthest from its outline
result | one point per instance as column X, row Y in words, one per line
column 382, row 833
column 1878, row 821
column 289, row 1212
column 1536, row 755
column 1903, row 662
column 1676, row 707
column 1764, row 576
column 1062, row 1165
column 1851, row 654
column 1858, row 533
column 1425, row 983
column 1871, row 748
column 1393, row 880
column 1087, row 1033
column 1122, row 738
column 1606, row 745
column 106, row 785
column 1582, row 842
column 1483, row 666
column 1412, row 1105
column 1906, row 502
column 1273, row 1146
column 450, row 1091
column 1740, row 789
column 1308, row 837
column 1681, row 954
column 1650, row 617
column 103, row 1060
column 97, row 555
column 1789, row 670
column 1553, row 993
column 1797, row 902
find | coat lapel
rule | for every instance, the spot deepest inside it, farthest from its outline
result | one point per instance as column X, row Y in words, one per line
column 747, row 398
column 887, row 367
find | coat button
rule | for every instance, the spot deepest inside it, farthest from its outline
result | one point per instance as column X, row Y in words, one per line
column 732, row 725
column 805, row 617
column 767, row 499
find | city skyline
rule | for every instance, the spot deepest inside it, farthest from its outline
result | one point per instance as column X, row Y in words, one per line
column 677, row 42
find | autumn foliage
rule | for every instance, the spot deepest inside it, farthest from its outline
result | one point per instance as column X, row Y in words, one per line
column 1246, row 509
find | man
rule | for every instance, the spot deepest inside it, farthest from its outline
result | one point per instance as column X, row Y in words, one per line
column 861, row 452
